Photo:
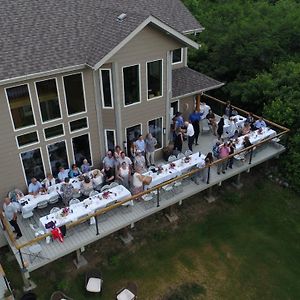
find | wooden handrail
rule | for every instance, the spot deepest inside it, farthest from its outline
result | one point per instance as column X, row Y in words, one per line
column 7, row 228
column 135, row 197
column 246, row 112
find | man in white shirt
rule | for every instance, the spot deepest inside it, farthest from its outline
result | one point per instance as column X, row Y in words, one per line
column 62, row 174
column 10, row 212
column 190, row 134
column 34, row 187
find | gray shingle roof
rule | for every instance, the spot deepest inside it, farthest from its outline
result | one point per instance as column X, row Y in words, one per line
column 186, row 81
column 39, row 35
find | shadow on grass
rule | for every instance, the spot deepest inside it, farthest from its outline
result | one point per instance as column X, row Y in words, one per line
column 186, row 291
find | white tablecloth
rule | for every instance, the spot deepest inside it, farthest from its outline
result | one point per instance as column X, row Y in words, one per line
column 87, row 206
column 169, row 173
column 33, row 201
column 255, row 137
column 240, row 120
column 204, row 109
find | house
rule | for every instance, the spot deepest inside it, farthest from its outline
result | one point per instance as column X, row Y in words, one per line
column 78, row 77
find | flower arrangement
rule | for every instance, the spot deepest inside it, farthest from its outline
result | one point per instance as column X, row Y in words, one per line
column 160, row 169
column 65, row 211
column 105, row 194
column 187, row 159
column 172, row 165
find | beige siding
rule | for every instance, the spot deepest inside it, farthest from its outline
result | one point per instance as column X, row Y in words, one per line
column 186, row 105
column 10, row 160
column 150, row 44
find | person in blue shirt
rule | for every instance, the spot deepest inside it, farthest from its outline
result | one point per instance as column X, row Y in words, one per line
column 195, row 118
column 179, row 122
column 75, row 171
column 260, row 123
column 34, row 187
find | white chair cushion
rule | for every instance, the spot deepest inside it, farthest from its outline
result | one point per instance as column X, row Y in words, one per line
column 125, row 295
column 94, row 285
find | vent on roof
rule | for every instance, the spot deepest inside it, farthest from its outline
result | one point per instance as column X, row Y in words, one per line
column 121, row 17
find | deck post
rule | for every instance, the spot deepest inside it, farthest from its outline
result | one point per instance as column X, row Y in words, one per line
column 157, row 198
column 97, row 227
column 238, row 184
column 79, row 261
column 251, row 154
column 28, row 284
column 210, row 198
column 208, row 175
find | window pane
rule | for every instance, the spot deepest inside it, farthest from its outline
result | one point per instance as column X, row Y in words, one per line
column 58, row 157
column 54, row 131
column 174, row 105
column 131, row 84
column 110, row 139
column 154, row 79
column 74, row 93
column 78, row 124
column 27, row 139
column 155, row 128
column 132, row 133
column 81, row 148
column 33, row 165
column 177, row 56
column 20, row 106
column 48, row 99
column 106, row 88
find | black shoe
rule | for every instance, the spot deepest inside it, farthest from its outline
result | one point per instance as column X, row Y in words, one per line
column 14, row 231
column 18, row 236
column 197, row 144
column 223, row 172
column 230, row 167
column 218, row 173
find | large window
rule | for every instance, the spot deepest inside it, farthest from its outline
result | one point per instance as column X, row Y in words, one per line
column 106, row 88
column 154, row 79
column 132, row 134
column 27, row 139
column 177, row 56
column 81, row 149
column 110, row 140
column 174, row 108
column 20, row 106
column 78, row 124
column 57, row 154
column 155, row 128
column 33, row 165
column 48, row 99
column 131, row 84
column 74, row 94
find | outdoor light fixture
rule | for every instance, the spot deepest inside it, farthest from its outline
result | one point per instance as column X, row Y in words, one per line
column 164, row 130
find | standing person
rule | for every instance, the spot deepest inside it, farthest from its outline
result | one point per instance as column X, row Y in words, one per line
column 140, row 145
column 212, row 121
column 220, row 129
column 178, row 140
column 231, row 146
column 126, row 159
column 224, row 152
column 179, row 122
column 228, row 109
column 140, row 161
column 10, row 212
column 109, row 174
column 150, row 143
column 109, row 160
column 190, row 134
column 123, row 174
column 67, row 191
column 137, row 182
column 195, row 118
column 117, row 152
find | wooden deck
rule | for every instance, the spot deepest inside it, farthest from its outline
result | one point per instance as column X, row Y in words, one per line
column 121, row 217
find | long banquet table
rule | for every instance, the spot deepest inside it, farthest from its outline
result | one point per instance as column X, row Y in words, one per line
column 87, row 206
column 29, row 202
column 169, row 172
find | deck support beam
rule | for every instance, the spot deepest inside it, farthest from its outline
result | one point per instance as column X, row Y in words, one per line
column 210, row 198
column 125, row 236
column 238, row 184
column 28, row 284
column 79, row 261
column 171, row 215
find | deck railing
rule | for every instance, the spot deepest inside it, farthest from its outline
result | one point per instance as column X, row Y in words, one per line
column 249, row 150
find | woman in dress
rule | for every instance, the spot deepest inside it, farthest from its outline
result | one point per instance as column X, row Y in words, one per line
column 212, row 121
column 75, row 171
column 123, row 174
column 178, row 140
column 140, row 161
column 117, row 152
column 86, row 186
column 150, row 143
column 67, row 191
column 137, row 181
column 97, row 179
column 246, row 129
column 85, row 167
column 220, row 129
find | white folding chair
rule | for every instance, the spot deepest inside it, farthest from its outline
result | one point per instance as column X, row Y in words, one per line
column 180, row 155
column 205, row 126
column 34, row 252
column 74, row 201
column 113, row 184
column 53, row 199
column 188, row 152
column 54, row 210
column 148, row 200
column 27, row 214
column 172, row 158
column 93, row 193
column 42, row 204
column 105, row 188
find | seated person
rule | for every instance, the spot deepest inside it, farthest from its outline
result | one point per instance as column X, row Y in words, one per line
column 62, row 174
column 75, row 171
column 85, row 167
column 260, row 123
column 34, row 187
column 232, row 128
column 86, row 186
column 97, row 178
column 246, row 129
column 109, row 174
column 234, row 112
column 49, row 181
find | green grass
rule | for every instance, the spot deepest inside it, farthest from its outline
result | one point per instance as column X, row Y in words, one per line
column 246, row 247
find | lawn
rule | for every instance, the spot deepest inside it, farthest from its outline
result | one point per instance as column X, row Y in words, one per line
column 244, row 246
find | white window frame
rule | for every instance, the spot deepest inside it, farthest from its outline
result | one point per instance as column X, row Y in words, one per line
column 59, row 100
column 55, row 137
column 162, row 130
column 27, row 145
column 91, row 152
column 132, row 126
column 20, row 155
column 67, row 151
column 84, row 94
column 81, row 129
column 105, row 137
column 179, row 62
column 111, row 88
column 30, row 99
column 140, row 85
column 162, row 79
